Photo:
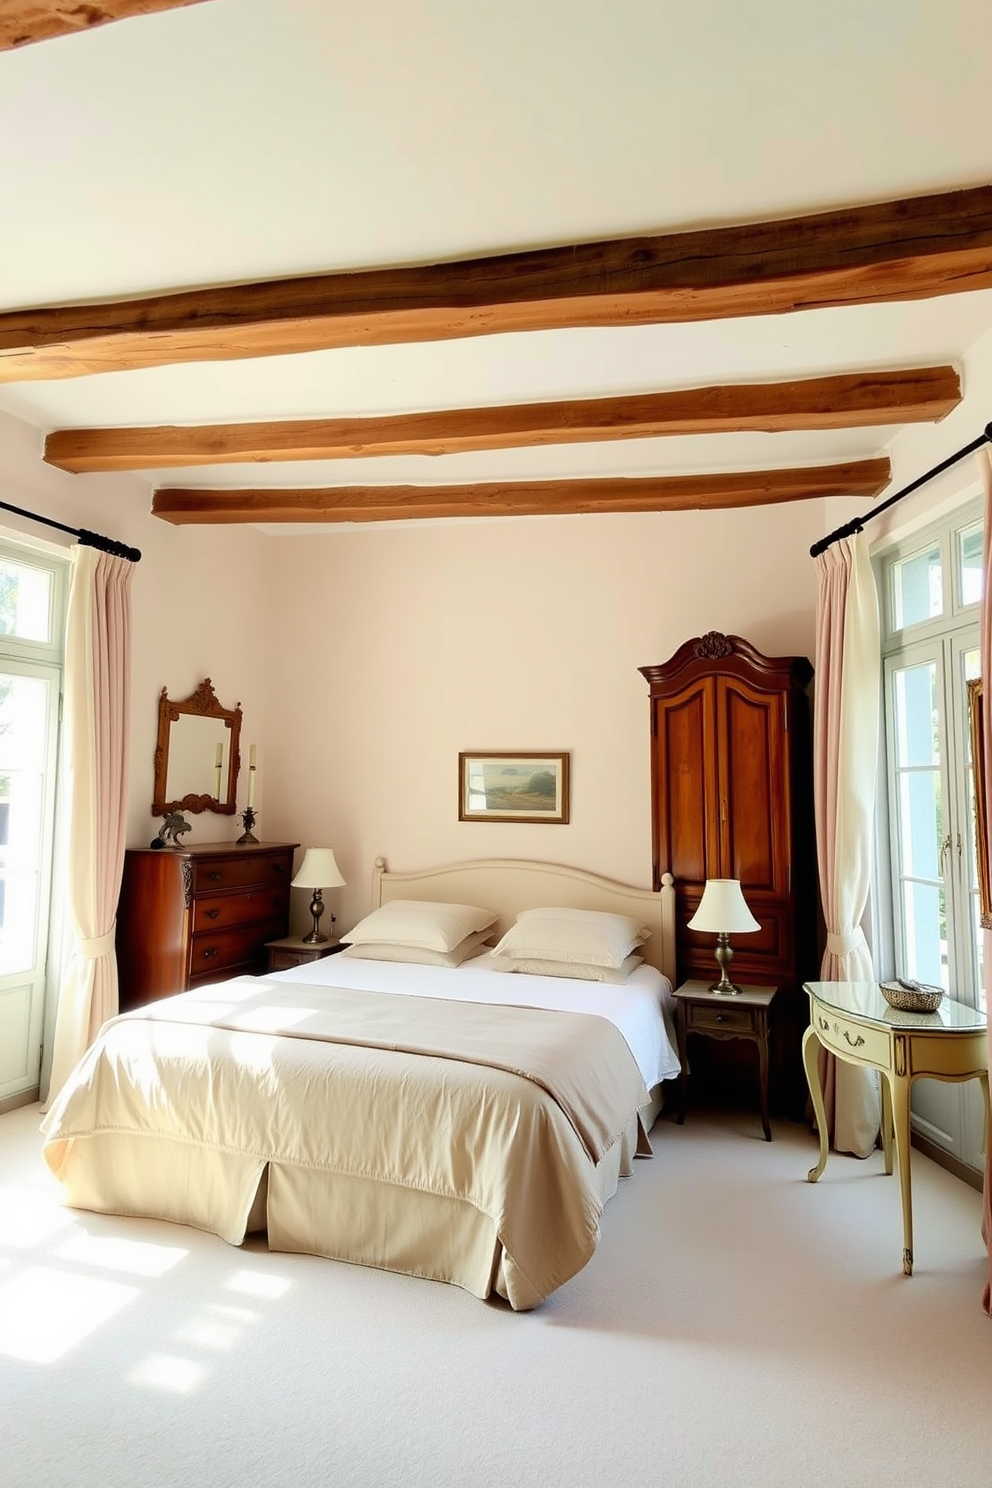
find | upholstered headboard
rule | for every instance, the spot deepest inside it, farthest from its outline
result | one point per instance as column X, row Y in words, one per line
column 509, row 885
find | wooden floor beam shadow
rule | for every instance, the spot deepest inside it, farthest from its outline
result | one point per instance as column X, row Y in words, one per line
column 890, row 251
column 852, row 401
column 185, row 507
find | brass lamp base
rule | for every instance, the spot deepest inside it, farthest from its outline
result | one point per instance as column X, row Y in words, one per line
column 316, row 909
column 724, row 955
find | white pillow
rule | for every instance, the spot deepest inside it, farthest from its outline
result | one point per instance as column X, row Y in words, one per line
column 472, row 945
column 580, row 971
column 419, row 923
column 588, row 937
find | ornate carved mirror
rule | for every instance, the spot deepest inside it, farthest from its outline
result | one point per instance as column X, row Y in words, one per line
column 197, row 756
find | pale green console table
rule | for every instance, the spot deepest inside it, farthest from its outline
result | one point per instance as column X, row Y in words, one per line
column 853, row 1021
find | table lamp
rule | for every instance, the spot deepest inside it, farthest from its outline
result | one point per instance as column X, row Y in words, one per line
column 723, row 910
column 318, row 871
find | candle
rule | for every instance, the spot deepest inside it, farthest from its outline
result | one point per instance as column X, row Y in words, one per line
column 251, row 775
column 218, row 762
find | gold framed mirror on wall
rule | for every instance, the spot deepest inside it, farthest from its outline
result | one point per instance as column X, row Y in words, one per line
column 197, row 757
column 977, row 730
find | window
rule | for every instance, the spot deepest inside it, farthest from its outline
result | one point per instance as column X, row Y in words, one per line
column 32, row 604
column 930, row 591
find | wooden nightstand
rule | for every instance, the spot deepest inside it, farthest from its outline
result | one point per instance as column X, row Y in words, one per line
column 724, row 1017
column 293, row 950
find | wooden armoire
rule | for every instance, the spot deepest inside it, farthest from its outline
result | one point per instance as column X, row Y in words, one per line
column 732, row 797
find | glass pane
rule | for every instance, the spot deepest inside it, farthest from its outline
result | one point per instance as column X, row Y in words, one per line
column 916, row 740
column 970, row 564
column 924, row 917
column 920, row 823
column 917, row 589
column 25, row 601
column 23, row 743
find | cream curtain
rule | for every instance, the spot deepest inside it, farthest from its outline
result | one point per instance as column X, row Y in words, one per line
column 95, row 754
column 984, row 459
column 845, row 742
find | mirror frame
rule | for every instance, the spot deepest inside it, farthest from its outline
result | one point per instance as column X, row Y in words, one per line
column 200, row 704
column 977, row 730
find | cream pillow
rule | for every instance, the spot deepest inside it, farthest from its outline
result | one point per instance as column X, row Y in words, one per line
column 579, row 971
column 419, row 923
column 472, row 945
column 588, row 937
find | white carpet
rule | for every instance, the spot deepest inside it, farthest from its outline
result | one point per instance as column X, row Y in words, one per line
column 738, row 1328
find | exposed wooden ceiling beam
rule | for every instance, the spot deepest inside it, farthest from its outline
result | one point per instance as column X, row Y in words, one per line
column 902, row 250
column 23, row 21
column 184, row 507
column 848, row 401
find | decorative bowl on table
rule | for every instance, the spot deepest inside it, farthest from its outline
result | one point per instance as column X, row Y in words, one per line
column 911, row 997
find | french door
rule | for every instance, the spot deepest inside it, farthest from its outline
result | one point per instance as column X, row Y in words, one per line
column 931, row 590
column 31, row 633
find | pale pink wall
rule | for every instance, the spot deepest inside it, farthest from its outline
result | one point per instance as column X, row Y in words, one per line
column 200, row 605
column 398, row 647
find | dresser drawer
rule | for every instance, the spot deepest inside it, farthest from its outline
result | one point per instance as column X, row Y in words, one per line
column 221, row 911
column 719, row 1018
column 210, row 874
column 845, row 1036
column 215, row 953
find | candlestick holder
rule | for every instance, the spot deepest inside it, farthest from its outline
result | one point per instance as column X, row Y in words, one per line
column 248, row 820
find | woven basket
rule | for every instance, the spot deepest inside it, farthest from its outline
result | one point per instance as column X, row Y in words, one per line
column 915, row 999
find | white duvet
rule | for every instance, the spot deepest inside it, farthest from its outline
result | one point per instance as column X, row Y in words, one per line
column 642, row 1008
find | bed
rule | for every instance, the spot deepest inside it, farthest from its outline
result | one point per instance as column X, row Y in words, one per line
column 446, row 1121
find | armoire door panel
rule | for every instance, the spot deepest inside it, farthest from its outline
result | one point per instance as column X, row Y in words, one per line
column 685, row 776
column 754, row 784
column 767, row 951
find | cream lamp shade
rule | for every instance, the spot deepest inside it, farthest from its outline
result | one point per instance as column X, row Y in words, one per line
column 723, row 911
column 318, row 871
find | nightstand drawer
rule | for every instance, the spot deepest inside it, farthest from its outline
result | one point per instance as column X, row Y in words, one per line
column 284, row 955
column 836, row 1032
column 719, row 1018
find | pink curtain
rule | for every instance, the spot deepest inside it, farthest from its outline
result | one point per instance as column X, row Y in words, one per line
column 845, row 747
column 984, row 459
column 95, row 753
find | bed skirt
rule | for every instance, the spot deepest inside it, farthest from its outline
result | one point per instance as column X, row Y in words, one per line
column 310, row 1211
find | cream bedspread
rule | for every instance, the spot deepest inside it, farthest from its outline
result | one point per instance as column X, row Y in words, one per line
column 459, row 1141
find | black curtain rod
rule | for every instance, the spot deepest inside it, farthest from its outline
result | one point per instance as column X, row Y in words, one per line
column 850, row 528
column 88, row 539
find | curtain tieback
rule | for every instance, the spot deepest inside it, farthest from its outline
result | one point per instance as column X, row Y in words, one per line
column 843, row 944
column 98, row 945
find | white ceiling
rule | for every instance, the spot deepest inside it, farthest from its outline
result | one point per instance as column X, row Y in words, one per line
column 238, row 140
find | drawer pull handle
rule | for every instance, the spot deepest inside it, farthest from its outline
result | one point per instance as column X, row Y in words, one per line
column 721, row 1017
column 214, row 877
column 211, row 914
column 207, row 954
column 278, row 867
column 855, row 1043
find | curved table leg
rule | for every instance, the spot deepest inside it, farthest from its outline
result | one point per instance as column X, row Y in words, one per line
column 886, row 1095
column 811, row 1063
column 899, row 1093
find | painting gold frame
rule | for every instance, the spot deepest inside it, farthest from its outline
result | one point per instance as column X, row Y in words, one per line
column 518, row 785
column 976, row 725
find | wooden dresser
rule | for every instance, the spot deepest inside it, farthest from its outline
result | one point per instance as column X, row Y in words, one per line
column 199, row 914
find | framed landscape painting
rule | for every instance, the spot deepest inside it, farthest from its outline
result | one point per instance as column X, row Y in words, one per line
column 513, row 786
